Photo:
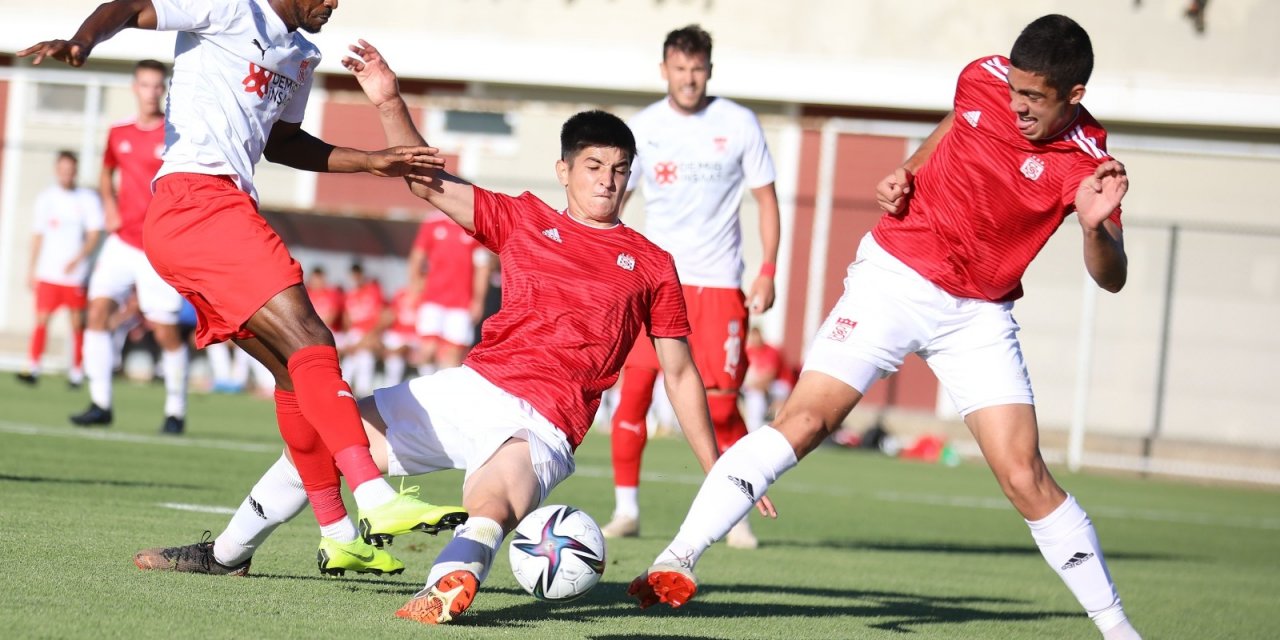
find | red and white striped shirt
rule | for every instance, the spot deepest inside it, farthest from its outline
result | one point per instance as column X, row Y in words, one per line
column 574, row 300
column 988, row 199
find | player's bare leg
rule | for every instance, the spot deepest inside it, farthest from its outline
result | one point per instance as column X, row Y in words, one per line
column 497, row 495
column 628, row 435
column 1009, row 439
column 740, row 478
column 99, row 360
column 173, row 363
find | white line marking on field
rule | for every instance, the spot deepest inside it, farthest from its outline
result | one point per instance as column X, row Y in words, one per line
column 199, row 508
column 98, row 433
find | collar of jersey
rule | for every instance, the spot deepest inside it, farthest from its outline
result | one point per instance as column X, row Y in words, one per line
column 565, row 212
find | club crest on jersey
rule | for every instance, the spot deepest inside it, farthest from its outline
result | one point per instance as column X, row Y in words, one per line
column 664, row 173
column 302, row 69
column 626, row 261
column 1032, row 167
column 840, row 331
column 722, row 143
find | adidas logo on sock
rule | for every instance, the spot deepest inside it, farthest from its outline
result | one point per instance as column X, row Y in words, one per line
column 745, row 487
column 1078, row 559
column 257, row 508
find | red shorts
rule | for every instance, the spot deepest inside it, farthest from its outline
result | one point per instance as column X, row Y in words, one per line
column 51, row 297
column 205, row 238
column 719, row 345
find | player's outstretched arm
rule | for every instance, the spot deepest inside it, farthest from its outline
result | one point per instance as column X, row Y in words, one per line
column 289, row 145
column 1097, row 198
column 689, row 399
column 105, row 21
column 446, row 192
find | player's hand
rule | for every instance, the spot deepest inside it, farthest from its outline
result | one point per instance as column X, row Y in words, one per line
column 372, row 72
column 894, row 190
column 1099, row 195
column 71, row 266
column 762, row 294
column 71, row 52
column 403, row 161
column 765, row 507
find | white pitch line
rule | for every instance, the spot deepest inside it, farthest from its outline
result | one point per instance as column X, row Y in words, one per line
column 199, row 508
column 98, row 433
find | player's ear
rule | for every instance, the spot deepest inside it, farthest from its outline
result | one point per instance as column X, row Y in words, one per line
column 1075, row 95
column 562, row 172
column 710, row 68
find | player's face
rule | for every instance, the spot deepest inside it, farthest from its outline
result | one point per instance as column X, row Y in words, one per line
column 686, row 76
column 148, row 88
column 595, row 181
column 312, row 15
column 65, row 172
column 1042, row 111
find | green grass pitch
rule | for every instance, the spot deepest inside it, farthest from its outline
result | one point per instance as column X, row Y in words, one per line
column 865, row 547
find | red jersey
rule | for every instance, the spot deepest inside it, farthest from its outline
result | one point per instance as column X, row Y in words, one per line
column 450, row 262
column 328, row 303
column 574, row 300
column 404, row 308
column 363, row 307
column 765, row 359
column 136, row 153
column 988, row 199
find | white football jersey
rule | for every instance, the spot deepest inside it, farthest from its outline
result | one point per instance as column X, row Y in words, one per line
column 693, row 169
column 237, row 70
column 62, row 219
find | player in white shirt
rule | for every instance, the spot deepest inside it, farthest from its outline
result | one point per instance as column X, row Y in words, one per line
column 242, row 73
column 68, row 221
column 696, row 154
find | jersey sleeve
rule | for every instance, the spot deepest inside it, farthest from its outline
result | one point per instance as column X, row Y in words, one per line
column 757, row 163
column 979, row 82
column 637, row 163
column 1082, row 170
column 194, row 16
column 668, row 317
column 495, row 216
column 40, row 221
column 95, row 219
column 109, row 159
column 297, row 107
column 422, row 241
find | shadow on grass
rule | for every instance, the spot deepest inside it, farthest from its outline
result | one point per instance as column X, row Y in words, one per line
column 5, row 477
column 950, row 548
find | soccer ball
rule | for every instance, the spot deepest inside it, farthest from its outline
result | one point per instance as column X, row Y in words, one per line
column 557, row 553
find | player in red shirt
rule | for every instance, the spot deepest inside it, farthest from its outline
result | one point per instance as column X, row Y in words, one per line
column 766, row 383
column 452, row 271
column 964, row 217
column 242, row 75
column 399, row 332
column 579, row 287
column 328, row 300
column 362, row 319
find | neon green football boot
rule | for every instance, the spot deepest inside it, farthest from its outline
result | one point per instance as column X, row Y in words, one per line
column 404, row 514
column 337, row 558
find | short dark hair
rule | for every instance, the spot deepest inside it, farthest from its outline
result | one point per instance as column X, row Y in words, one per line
column 1057, row 48
column 153, row 65
column 690, row 40
column 356, row 267
column 66, row 154
column 595, row 128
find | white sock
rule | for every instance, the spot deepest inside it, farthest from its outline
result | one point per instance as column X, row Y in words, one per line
column 738, row 479
column 277, row 498
column 341, row 531
column 261, row 376
column 471, row 549
column 374, row 493
column 240, row 364
column 1069, row 544
column 756, row 405
column 393, row 367
column 626, row 503
column 219, row 355
column 363, row 366
column 98, row 363
column 174, row 365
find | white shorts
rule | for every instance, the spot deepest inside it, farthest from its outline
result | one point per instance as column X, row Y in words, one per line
column 393, row 340
column 888, row 311
column 121, row 267
column 451, row 325
column 456, row 419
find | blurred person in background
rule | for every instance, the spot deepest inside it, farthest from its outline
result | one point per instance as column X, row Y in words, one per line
column 768, row 381
column 362, row 341
column 68, row 222
column 696, row 154
column 452, row 271
column 133, row 154
column 400, row 341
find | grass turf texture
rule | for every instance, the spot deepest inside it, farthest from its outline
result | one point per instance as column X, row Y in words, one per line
column 866, row 547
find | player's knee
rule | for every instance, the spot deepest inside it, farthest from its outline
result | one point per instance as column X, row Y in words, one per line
column 1024, row 483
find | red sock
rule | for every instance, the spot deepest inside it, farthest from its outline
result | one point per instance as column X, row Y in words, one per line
column 77, row 349
column 312, row 458
column 630, row 430
column 38, row 338
column 726, row 420
column 330, row 407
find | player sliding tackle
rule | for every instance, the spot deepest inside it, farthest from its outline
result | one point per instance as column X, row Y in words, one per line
column 241, row 75
column 579, row 287
column 938, row 276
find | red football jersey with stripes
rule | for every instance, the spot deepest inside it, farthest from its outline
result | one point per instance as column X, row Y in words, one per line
column 136, row 153
column 574, row 300
column 987, row 200
column 450, row 262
